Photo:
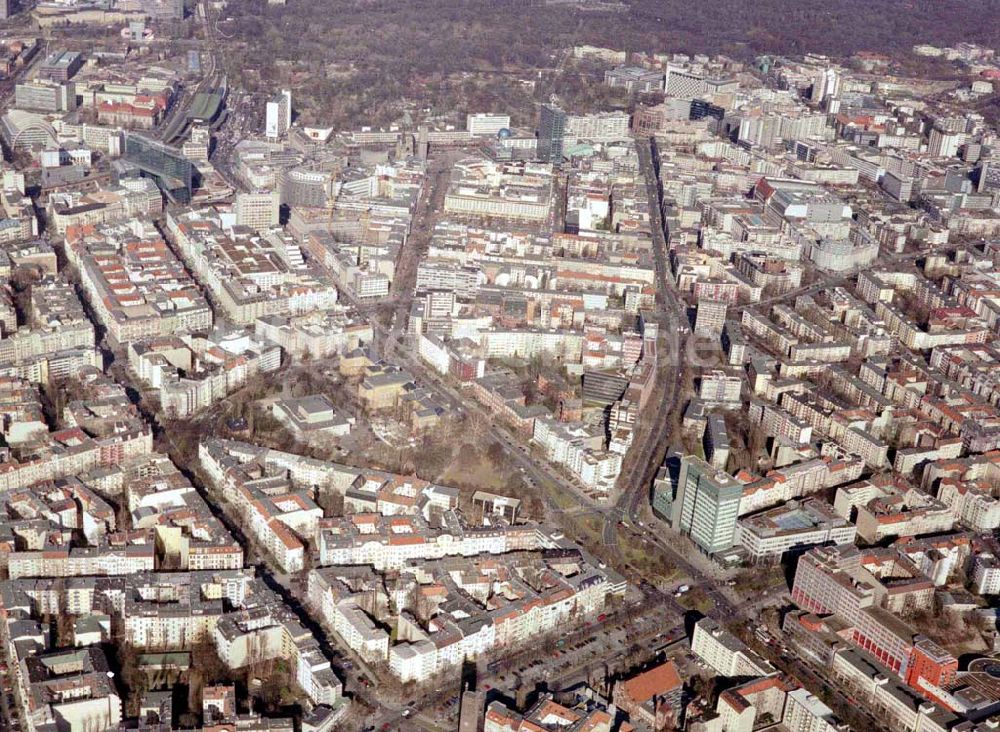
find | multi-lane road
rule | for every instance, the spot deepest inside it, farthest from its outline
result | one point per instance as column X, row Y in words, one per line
column 622, row 517
column 671, row 318
column 556, row 490
column 421, row 231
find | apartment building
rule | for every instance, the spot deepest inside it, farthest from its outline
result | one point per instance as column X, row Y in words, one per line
column 266, row 630
column 319, row 335
column 71, row 451
column 517, row 612
column 739, row 708
column 339, row 607
column 72, row 688
column 498, row 391
column 176, row 611
column 604, row 127
column 140, row 198
column 193, row 372
column 579, row 449
column 710, row 317
column 248, row 275
column 544, row 712
column 725, row 653
column 162, row 500
column 719, row 387
column 276, row 512
column 388, row 530
column 804, row 712
column 966, row 486
column 134, row 283
column 882, row 507
column 984, row 567
column 653, row 698
column 515, row 191
column 903, row 708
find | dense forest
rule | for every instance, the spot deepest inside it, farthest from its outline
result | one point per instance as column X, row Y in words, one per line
column 374, row 59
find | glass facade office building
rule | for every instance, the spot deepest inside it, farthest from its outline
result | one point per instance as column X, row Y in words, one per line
column 551, row 131
column 706, row 506
column 173, row 172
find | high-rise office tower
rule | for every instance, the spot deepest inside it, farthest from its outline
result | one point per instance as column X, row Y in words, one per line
column 706, row 505
column 278, row 117
column 551, row 129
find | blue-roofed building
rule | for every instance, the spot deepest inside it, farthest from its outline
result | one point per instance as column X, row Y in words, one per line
column 795, row 526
